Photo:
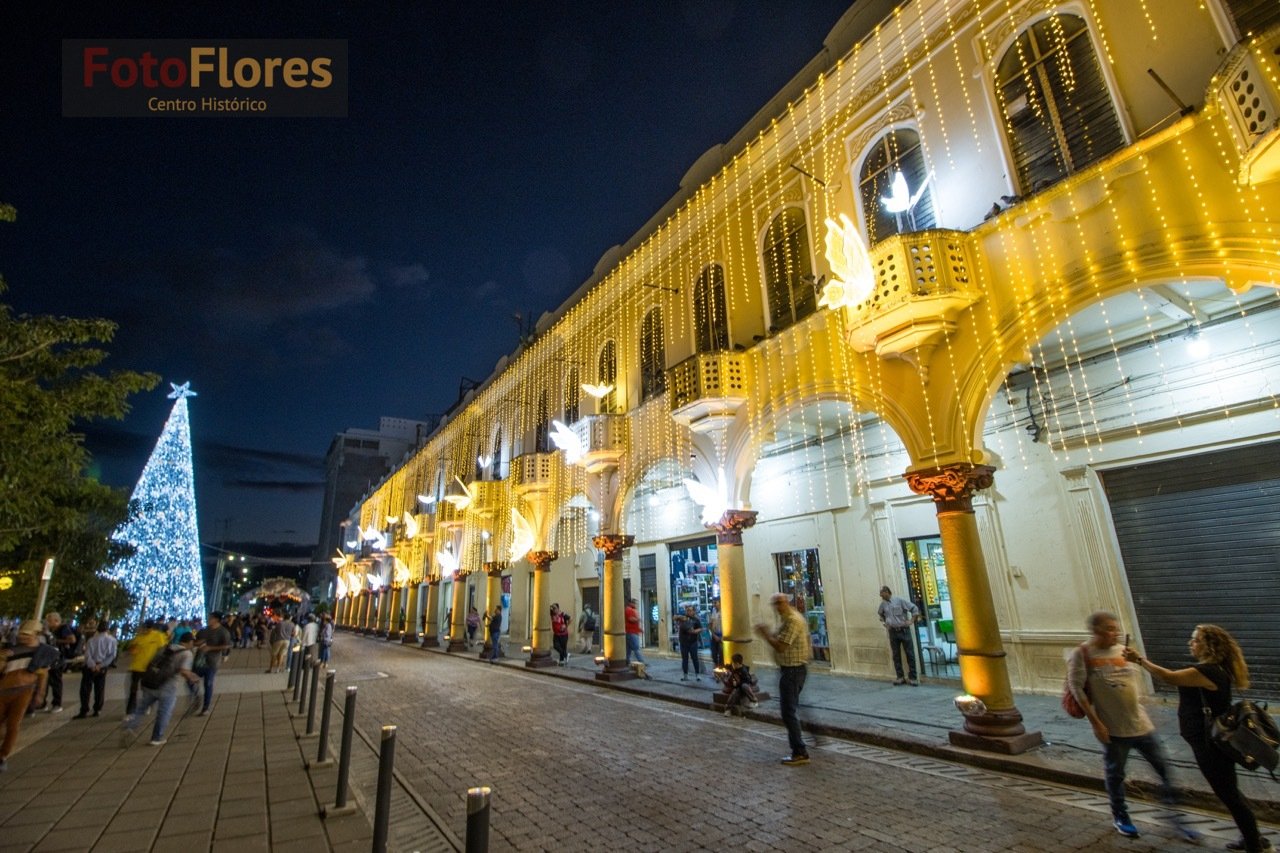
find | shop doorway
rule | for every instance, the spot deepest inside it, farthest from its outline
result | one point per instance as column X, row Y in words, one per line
column 649, row 612
column 800, row 578
column 695, row 580
column 928, row 589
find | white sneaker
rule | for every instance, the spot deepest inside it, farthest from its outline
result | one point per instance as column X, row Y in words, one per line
column 159, row 742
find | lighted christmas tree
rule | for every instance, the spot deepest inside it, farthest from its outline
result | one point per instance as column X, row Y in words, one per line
column 164, row 574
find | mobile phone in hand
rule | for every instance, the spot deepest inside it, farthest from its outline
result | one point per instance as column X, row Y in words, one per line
column 1126, row 641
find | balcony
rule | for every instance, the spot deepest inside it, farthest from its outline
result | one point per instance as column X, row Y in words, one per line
column 604, row 440
column 1247, row 91
column 707, row 388
column 532, row 472
column 923, row 281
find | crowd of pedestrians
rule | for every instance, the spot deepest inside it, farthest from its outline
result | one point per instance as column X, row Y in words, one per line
column 164, row 659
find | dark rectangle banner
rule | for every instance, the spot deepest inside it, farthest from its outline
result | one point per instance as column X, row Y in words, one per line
column 163, row 78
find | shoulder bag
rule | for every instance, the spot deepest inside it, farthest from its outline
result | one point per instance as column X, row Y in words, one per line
column 1069, row 703
column 1246, row 733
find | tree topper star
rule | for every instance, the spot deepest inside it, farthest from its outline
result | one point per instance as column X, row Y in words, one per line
column 180, row 391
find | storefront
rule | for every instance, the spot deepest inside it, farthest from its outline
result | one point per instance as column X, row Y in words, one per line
column 695, row 580
column 800, row 578
column 928, row 589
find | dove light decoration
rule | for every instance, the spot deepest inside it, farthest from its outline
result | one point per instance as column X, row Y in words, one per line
column 426, row 500
column 901, row 199
column 852, row 276
column 463, row 500
column 523, row 537
column 375, row 581
column 448, row 563
column 377, row 540
column 567, row 440
column 400, row 574
column 411, row 526
column 341, row 587
column 597, row 391
column 713, row 501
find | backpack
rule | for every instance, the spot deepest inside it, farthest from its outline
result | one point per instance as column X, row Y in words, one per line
column 590, row 624
column 1247, row 734
column 163, row 666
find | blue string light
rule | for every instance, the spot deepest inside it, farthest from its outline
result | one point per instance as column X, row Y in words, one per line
column 165, row 571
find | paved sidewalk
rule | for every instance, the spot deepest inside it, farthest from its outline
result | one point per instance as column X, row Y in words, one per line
column 231, row 780
column 917, row 720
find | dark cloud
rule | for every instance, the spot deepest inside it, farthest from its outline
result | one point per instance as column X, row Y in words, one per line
column 410, row 275
column 293, row 276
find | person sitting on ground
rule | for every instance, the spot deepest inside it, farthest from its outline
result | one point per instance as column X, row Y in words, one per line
column 740, row 684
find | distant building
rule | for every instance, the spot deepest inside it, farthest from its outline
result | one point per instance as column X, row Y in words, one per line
column 357, row 459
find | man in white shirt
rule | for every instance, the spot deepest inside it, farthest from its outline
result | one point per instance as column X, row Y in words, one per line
column 310, row 636
column 99, row 652
column 899, row 617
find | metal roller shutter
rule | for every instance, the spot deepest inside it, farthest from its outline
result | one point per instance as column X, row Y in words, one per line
column 1200, row 537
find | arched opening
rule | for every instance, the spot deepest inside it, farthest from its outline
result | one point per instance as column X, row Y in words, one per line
column 788, row 269
column 653, row 356
column 607, row 376
column 894, row 186
column 710, row 311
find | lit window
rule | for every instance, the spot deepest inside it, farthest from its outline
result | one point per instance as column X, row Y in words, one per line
column 788, row 272
column 710, row 316
column 653, row 357
column 896, row 153
column 1058, row 113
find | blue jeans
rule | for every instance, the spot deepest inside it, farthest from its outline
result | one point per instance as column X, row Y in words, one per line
column 208, row 674
column 687, row 651
column 1114, row 757
column 164, row 699
column 790, row 683
column 324, row 652
column 633, row 648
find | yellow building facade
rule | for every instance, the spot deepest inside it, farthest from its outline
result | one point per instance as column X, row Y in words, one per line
column 1066, row 314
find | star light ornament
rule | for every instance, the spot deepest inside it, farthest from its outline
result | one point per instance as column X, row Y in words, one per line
column 164, row 570
column 852, row 276
column 714, row 502
column 564, row 438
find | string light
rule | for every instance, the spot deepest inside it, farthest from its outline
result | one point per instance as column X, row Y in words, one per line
column 164, row 574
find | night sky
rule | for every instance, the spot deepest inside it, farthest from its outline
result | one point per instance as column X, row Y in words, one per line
column 311, row 275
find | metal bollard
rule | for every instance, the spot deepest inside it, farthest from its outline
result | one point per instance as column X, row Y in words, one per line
column 301, row 692
column 292, row 669
column 322, row 754
column 344, row 757
column 299, row 675
column 382, row 809
column 311, row 702
column 478, row 820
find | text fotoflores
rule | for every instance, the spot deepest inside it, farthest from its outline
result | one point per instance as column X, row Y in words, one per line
column 214, row 77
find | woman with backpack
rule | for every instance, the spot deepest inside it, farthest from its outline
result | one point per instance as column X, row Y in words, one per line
column 1206, row 685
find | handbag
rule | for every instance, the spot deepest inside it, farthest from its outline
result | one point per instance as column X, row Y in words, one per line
column 1245, row 733
column 1069, row 703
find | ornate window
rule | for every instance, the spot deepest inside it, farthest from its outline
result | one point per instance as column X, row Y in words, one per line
column 788, row 272
column 542, row 432
column 607, row 374
column 653, row 357
column 892, row 206
column 572, row 396
column 1059, row 116
column 497, row 466
column 710, row 314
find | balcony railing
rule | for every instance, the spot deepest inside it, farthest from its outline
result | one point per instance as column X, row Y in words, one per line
column 531, row 471
column 706, row 384
column 1247, row 90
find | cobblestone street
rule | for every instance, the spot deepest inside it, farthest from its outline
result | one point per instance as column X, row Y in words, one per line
column 574, row 766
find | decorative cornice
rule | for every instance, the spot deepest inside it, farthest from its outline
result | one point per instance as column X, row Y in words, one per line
column 730, row 526
column 613, row 544
column 952, row 486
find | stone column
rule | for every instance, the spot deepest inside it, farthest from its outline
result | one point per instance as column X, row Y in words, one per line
column 431, row 620
column 344, row 610
column 492, row 598
column 383, row 612
column 339, row 606
column 735, row 614
column 410, row 634
column 612, row 607
column 458, row 627
column 366, row 611
column 540, row 655
column 996, row 727
column 393, row 615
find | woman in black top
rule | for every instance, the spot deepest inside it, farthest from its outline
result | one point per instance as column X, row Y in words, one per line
column 1204, row 691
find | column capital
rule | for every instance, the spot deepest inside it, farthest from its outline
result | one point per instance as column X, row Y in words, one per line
column 542, row 559
column 432, row 580
column 613, row 544
column 952, row 486
column 495, row 568
column 730, row 526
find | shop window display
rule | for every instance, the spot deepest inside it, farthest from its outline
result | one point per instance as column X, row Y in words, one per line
column 800, row 577
column 695, row 580
column 927, row 587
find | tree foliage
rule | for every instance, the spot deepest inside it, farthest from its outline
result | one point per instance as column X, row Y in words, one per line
column 50, row 385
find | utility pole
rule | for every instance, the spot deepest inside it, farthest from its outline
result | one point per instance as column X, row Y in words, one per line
column 45, row 577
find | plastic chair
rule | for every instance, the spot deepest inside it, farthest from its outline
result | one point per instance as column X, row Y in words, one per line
column 947, row 629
